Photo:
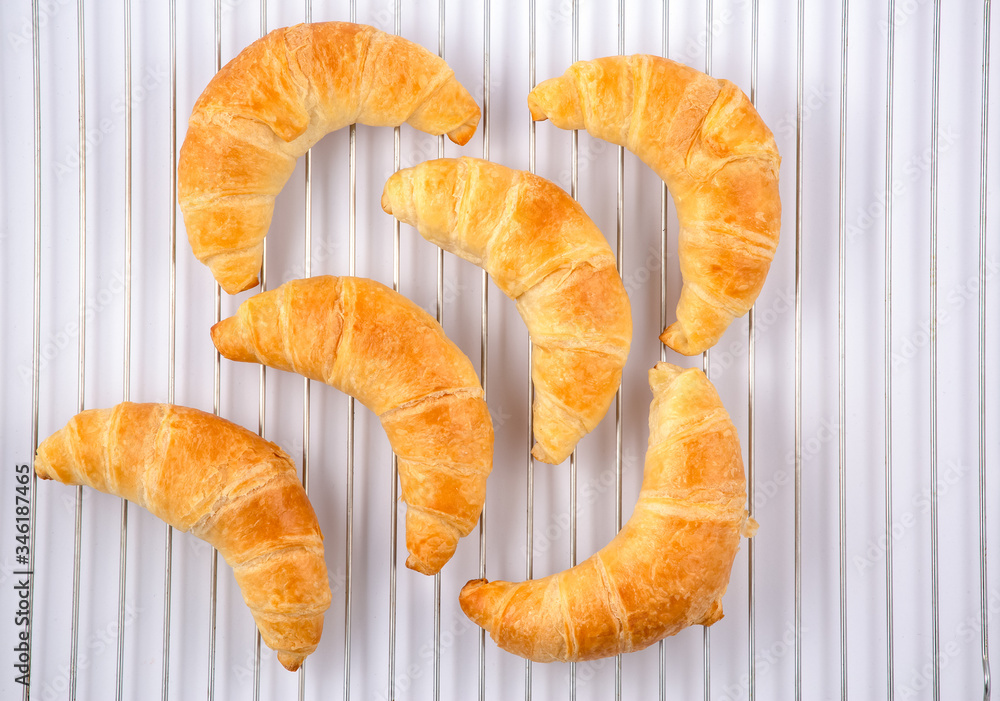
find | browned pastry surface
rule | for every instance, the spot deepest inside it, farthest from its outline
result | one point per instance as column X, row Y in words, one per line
column 277, row 98
column 364, row 339
column 704, row 138
column 667, row 569
column 544, row 252
column 224, row 484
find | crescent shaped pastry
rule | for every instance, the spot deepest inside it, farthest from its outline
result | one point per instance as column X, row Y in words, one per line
column 277, row 98
column 704, row 138
column 665, row 570
column 225, row 485
column 544, row 252
column 364, row 339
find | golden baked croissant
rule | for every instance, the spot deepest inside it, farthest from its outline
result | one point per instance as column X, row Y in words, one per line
column 544, row 252
column 374, row 344
column 666, row 569
column 277, row 98
column 227, row 486
column 718, row 159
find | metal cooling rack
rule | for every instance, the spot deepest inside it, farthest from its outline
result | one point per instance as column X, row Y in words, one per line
column 778, row 668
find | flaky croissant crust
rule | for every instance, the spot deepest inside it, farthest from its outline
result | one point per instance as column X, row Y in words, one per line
column 277, row 98
column 366, row 340
column 704, row 138
column 224, row 484
column 667, row 569
column 543, row 251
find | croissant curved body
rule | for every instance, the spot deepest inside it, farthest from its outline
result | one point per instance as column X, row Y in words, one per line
column 544, row 252
column 277, row 98
column 704, row 138
column 665, row 570
column 224, row 484
column 364, row 339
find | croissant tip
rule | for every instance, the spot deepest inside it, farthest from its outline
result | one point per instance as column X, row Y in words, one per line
column 218, row 334
column 290, row 660
column 668, row 369
column 463, row 134
column 675, row 338
column 228, row 339
column 542, row 455
column 471, row 586
column 536, row 110
column 468, row 597
column 418, row 565
column 42, row 469
column 234, row 288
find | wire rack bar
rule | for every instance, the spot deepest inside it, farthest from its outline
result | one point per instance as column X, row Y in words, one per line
column 706, row 641
column 799, row 146
column 36, row 311
column 620, row 394
column 984, row 620
column 575, row 193
column 751, row 396
column 436, row 684
column 889, row 590
column 127, row 351
column 394, row 479
column 216, row 408
column 529, row 522
column 74, row 639
column 261, row 396
column 886, row 626
column 665, row 51
column 935, row 577
column 306, row 386
column 484, row 342
column 842, row 342
column 168, row 545
column 352, row 234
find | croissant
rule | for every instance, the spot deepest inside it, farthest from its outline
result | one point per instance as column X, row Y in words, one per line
column 544, row 252
column 665, row 570
column 277, row 98
column 224, row 484
column 374, row 344
column 704, row 138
